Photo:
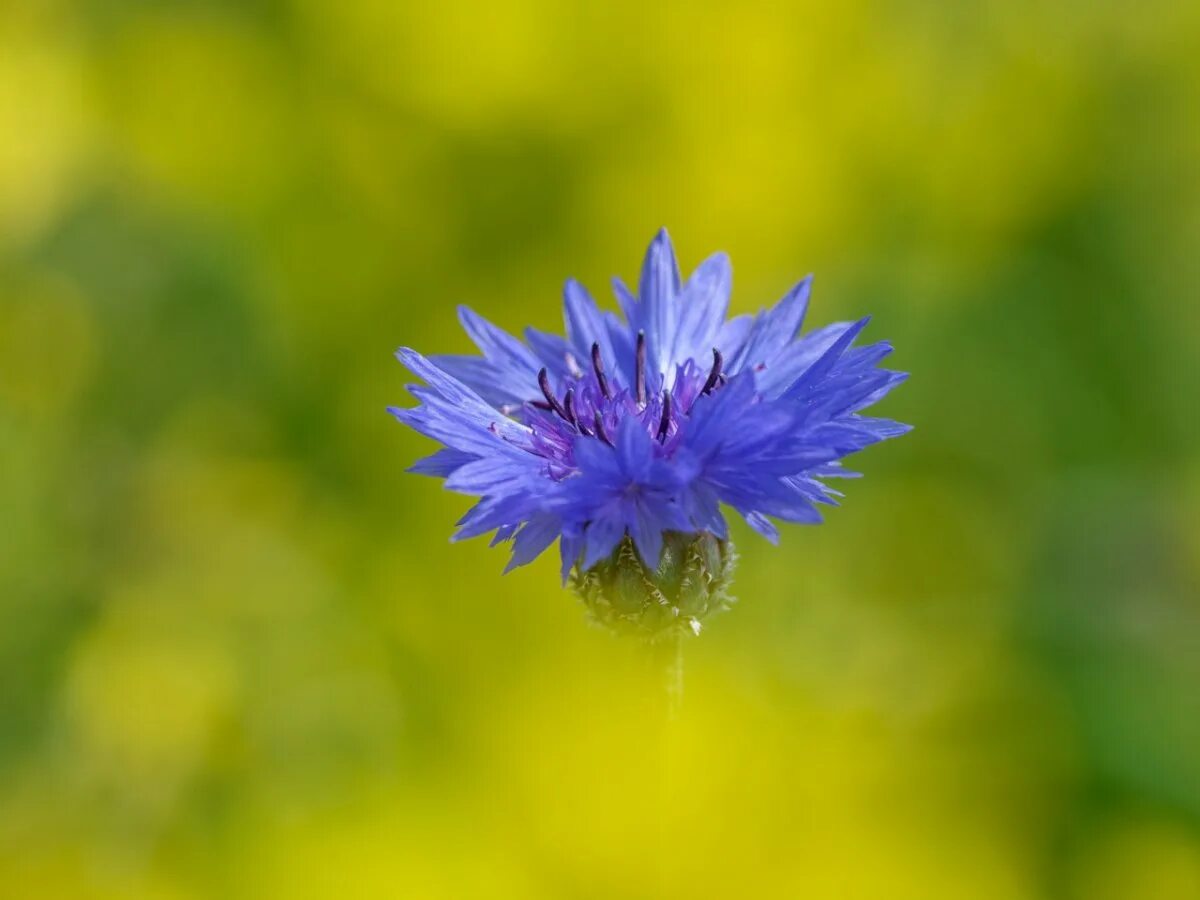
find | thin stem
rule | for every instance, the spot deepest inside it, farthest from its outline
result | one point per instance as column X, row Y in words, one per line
column 671, row 656
column 667, row 655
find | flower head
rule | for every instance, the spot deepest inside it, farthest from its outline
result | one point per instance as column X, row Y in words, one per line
column 637, row 428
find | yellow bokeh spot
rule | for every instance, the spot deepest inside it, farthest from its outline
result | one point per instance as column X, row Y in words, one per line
column 147, row 694
column 43, row 119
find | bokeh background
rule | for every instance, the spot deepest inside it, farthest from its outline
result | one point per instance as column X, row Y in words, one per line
column 239, row 657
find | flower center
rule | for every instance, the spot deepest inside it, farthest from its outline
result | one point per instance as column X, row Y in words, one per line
column 591, row 408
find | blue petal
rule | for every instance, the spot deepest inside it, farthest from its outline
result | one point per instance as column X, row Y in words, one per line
column 702, row 307
column 504, row 533
column 882, row 428
column 603, row 535
column 733, row 336
column 442, row 463
column 798, row 356
column 571, row 545
column 439, row 421
column 551, row 351
column 536, row 535
column 623, row 342
column 712, row 416
column 491, row 383
column 762, row 525
column 834, row 470
column 646, row 534
column 635, row 449
column 496, row 475
column 585, row 324
column 774, row 329
column 596, row 459
column 499, row 347
column 491, row 513
column 703, row 508
column 471, row 406
column 657, row 292
column 826, row 361
column 629, row 305
column 861, row 392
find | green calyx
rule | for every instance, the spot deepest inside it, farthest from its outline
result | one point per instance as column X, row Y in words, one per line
column 692, row 581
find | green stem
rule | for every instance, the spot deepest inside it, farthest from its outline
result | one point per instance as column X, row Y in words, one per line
column 667, row 658
column 672, row 662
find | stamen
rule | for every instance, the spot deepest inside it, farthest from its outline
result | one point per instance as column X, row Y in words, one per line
column 569, row 407
column 715, row 375
column 542, row 405
column 598, row 368
column 664, row 424
column 583, row 429
column 639, row 377
column 544, row 384
column 600, row 430
column 573, row 366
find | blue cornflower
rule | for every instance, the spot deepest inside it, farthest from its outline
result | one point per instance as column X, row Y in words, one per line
column 634, row 430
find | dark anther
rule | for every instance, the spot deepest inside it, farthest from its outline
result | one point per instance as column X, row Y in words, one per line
column 542, row 405
column 544, row 384
column 583, row 429
column 639, row 377
column 715, row 375
column 598, row 367
column 664, row 424
column 600, row 432
column 569, row 406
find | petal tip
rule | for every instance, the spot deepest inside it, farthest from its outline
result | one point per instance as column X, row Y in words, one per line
column 408, row 356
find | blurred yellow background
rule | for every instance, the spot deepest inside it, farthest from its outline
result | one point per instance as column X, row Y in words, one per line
column 239, row 657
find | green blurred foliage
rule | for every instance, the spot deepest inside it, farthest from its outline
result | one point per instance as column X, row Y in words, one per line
column 240, row 658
